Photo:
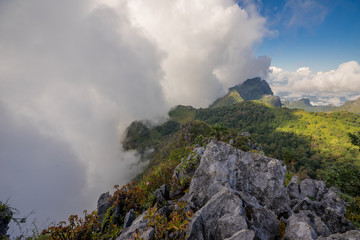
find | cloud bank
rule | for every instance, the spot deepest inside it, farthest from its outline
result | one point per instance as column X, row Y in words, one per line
column 333, row 87
column 74, row 74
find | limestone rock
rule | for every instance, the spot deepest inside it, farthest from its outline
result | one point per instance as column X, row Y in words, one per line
column 161, row 194
column 242, row 235
column 293, row 188
column 129, row 218
column 103, row 205
column 313, row 189
column 349, row 235
column 139, row 225
column 220, row 218
column 222, row 165
column 241, row 195
column 298, row 228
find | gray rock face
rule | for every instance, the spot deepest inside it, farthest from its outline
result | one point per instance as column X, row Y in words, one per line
column 253, row 89
column 305, row 225
column 241, row 195
column 161, row 194
column 221, row 217
column 313, row 189
column 350, row 235
column 223, row 165
column 242, row 235
column 328, row 205
column 129, row 218
column 298, row 228
column 293, row 188
column 103, row 205
column 138, row 226
column 263, row 178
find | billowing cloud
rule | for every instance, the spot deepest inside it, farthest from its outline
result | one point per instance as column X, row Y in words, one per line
column 206, row 44
column 74, row 74
column 335, row 86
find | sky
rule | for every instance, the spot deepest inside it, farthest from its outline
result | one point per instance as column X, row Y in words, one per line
column 314, row 49
column 74, row 74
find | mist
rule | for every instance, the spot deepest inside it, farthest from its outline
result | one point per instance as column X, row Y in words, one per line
column 74, row 74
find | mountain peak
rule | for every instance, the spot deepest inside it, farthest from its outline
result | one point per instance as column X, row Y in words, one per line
column 253, row 89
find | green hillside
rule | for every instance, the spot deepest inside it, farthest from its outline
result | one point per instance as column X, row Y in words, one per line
column 309, row 143
column 233, row 97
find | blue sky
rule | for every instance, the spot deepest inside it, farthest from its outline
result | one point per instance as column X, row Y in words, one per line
column 316, row 34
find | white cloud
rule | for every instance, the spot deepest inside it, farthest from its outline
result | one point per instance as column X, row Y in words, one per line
column 336, row 85
column 206, row 44
column 73, row 74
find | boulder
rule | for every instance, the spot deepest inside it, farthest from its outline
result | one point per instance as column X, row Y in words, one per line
column 138, row 227
column 242, row 235
column 313, row 189
column 129, row 218
column 222, row 165
column 161, row 194
column 221, row 217
column 293, row 188
column 103, row 205
column 349, row 235
column 298, row 228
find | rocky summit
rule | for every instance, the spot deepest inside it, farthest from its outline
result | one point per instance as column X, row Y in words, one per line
column 242, row 195
column 253, row 89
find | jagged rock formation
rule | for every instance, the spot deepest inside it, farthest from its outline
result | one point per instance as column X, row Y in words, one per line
column 251, row 89
column 241, row 195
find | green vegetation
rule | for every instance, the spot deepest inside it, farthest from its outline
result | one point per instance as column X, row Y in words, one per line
column 175, row 224
column 311, row 144
column 355, row 138
column 271, row 100
column 233, row 97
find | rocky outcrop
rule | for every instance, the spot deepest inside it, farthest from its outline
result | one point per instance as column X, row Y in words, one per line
column 241, row 195
column 103, row 205
column 253, row 89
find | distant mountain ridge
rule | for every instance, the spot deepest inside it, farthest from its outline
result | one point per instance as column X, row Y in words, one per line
column 305, row 104
column 251, row 89
column 350, row 106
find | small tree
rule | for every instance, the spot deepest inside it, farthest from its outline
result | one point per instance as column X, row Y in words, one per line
column 219, row 130
column 355, row 138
